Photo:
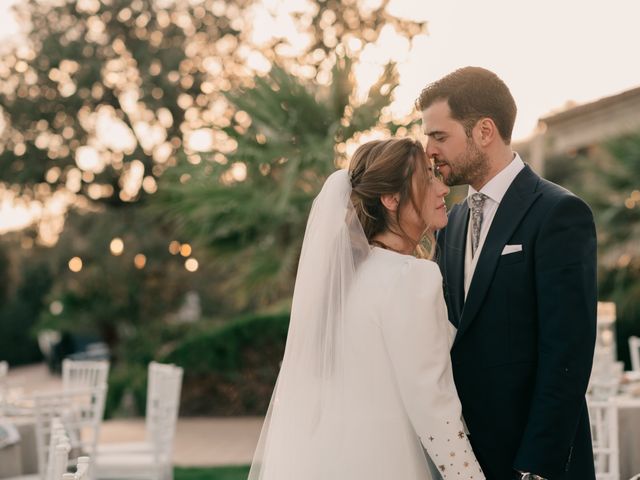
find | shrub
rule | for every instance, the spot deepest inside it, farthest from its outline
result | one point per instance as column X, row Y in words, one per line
column 232, row 369
column 127, row 382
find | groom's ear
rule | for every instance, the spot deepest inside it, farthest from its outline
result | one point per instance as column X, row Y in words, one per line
column 390, row 201
column 486, row 131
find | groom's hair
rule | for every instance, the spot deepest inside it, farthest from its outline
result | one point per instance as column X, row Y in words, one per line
column 473, row 93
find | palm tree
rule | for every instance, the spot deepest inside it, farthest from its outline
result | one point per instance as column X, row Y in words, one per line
column 249, row 207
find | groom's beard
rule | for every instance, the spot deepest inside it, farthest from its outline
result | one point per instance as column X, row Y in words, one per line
column 469, row 167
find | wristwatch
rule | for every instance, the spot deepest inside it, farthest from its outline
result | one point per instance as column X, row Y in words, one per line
column 528, row 476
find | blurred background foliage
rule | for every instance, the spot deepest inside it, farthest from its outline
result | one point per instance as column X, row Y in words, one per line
column 607, row 176
column 166, row 151
column 249, row 212
column 165, row 154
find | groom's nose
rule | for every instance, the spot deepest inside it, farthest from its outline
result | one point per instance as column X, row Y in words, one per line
column 430, row 150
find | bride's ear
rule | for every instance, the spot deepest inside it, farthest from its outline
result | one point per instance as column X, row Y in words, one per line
column 390, row 201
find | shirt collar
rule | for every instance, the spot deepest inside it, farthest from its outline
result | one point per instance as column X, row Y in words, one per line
column 496, row 188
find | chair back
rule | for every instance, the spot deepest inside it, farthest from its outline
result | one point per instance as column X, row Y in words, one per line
column 603, row 417
column 84, row 373
column 60, row 461
column 634, row 350
column 57, row 436
column 82, row 468
column 79, row 410
column 163, row 403
column 82, row 471
column 58, row 452
column 4, row 390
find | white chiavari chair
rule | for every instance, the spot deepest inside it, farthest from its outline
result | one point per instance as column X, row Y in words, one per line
column 151, row 459
column 603, row 416
column 79, row 410
column 82, row 470
column 4, row 388
column 84, row 373
column 634, row 351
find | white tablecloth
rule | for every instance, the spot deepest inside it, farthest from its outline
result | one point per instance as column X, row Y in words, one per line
column 21, row 458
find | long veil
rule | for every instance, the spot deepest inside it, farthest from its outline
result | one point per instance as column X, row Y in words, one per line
column 301, row 436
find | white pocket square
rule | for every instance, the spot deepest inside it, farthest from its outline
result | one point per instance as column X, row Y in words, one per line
column 511, row 249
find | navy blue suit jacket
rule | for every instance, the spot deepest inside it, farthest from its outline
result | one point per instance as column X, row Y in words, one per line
column 526, row 333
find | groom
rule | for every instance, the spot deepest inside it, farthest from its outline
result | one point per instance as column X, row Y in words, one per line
column 519, row 264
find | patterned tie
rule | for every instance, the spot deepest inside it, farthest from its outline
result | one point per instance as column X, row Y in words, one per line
column 477, row 203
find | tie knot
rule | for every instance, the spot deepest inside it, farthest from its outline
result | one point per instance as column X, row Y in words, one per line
column 477, row 200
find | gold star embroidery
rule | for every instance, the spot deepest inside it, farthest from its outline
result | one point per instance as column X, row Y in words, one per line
column 466, row 464
column 441, row 467
column 431, row 438
column 452, row 454
column 460, row 434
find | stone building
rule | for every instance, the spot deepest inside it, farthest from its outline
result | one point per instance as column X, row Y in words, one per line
column 581, row 126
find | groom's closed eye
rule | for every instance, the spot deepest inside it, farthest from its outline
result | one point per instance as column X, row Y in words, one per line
column 437, row 136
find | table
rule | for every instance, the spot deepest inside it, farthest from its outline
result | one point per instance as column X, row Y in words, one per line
column 21, row 458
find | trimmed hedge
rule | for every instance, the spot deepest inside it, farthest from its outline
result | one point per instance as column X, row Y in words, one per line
column 132, row 381
column 231, row 370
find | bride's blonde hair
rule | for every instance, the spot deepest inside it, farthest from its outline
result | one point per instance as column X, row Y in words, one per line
column 383, row 167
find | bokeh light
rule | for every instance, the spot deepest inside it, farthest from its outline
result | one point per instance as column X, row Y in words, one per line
column 75, row 264
column 140, row 260
column 56, row 307
column 185, row 250
column 191, row 264
column 116, row 246
column 174, row 247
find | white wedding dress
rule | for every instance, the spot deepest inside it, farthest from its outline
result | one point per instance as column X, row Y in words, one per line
column 383, row 388
column 397, row 341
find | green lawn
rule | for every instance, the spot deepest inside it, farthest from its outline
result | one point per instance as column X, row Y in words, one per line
column 217, row 473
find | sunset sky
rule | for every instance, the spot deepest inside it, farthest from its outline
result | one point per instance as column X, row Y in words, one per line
column 548, row 52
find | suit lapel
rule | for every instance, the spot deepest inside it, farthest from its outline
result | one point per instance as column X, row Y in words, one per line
column 513, row 207
column 456, row 236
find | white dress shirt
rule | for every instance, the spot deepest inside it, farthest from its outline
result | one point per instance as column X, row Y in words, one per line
column 494, row 190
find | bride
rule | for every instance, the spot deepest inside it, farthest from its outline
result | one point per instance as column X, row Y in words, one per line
column 365, row 386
